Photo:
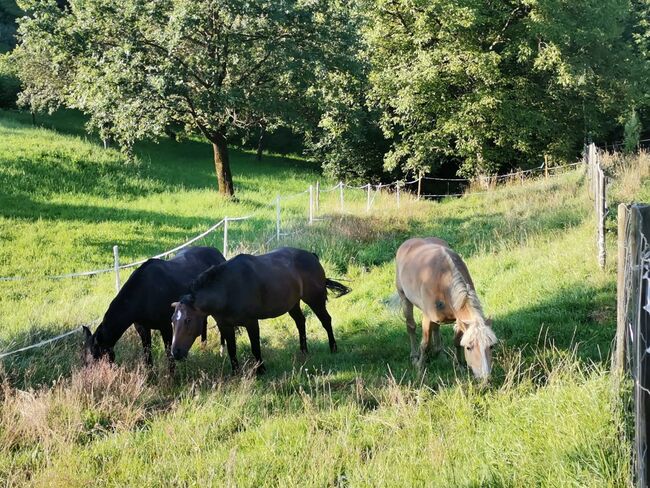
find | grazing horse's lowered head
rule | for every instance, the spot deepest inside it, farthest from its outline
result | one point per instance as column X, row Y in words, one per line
column 93, row 351
column 477, row 342
column 188, row 323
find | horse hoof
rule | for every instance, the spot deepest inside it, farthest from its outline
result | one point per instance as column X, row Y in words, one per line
column 260, row 370
column 333, row 348
column 415, row 360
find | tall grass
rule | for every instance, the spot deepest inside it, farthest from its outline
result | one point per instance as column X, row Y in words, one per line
column 362, row 417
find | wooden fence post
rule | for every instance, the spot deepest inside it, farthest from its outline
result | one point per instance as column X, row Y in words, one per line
column 602, row 213
column 116, row 264
column 419, row 186
column 618, row 357
column 341, row 194
column 546, row 166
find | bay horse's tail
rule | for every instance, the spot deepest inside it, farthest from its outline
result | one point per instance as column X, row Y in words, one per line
column 337, row 287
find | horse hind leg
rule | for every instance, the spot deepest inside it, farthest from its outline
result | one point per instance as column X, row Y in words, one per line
column 319, row 309
column 299, row 318
column 407, row 309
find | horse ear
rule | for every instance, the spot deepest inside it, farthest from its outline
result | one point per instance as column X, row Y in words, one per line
column 87, row 333
column 175, row 304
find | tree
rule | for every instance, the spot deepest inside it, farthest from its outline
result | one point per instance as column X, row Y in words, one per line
column 213, row 66
column 497, row 84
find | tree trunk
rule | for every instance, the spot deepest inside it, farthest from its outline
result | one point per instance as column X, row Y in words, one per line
column 222, row 166
column 259, row 143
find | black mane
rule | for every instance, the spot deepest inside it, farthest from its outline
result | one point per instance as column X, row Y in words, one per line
column 205, row 278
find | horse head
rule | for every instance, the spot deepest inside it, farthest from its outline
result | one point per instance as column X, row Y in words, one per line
column 188, row 323
column 93, row 349
column 477, row 342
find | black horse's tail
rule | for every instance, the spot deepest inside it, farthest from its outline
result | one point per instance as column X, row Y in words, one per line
column 337, row 287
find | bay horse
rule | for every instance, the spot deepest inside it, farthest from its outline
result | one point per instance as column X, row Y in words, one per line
column 435, row 279
column 144, row 302
column 248, row 288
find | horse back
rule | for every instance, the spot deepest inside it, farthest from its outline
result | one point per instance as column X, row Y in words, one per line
column 425, row 275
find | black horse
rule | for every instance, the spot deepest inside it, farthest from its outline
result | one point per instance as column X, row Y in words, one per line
column 144, row 301
column 248, row 288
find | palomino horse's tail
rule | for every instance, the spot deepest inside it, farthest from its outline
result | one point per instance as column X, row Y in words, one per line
column 337, row 287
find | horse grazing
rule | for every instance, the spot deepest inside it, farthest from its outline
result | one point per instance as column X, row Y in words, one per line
column 248, row 288
column 144, row 301
column 435, row 279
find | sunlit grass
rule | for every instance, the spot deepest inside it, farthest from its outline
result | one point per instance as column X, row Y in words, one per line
column 361, row 417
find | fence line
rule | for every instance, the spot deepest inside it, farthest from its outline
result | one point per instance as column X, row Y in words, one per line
column 312, row 209
column 632, row 346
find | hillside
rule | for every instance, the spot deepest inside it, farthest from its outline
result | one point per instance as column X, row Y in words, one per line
column 361, row 417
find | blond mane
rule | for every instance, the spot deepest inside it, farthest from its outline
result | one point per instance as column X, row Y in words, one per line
column 463, row 295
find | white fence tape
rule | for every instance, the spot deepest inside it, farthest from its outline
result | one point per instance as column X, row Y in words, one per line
column 41, row 343
column 340, row 186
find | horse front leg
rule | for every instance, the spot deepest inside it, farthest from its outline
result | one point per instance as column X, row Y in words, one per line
column 458, row 336
column 228, row 334
column 425, row 344
column 167, row 336
column 253, row 329
column 407, row 308
column 145, row 337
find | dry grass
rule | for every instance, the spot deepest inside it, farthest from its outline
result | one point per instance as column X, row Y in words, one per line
column 630, row 173
column 92, row 402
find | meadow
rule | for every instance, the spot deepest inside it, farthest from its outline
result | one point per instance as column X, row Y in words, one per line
column 361, row 417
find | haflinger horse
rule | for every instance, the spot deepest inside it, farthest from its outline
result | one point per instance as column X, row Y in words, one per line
column 248, row 288
column 435, row 279
column 144, row 301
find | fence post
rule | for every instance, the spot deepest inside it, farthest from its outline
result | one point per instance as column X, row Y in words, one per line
column 618, row 358
column 368, row 199
column 602, row 212
column 546, row 166
column 225, row 237
column 116, row 264
column 317, row 196
column 341, row 194
column 311, row 204
column 419, row 185
column 397, row 192
column 277, row 218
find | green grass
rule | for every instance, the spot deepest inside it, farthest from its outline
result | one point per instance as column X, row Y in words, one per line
column 362, row 417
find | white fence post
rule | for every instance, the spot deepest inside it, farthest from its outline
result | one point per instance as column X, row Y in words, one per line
column 277, row 218
column 341, row 194
column 225, row 237
column 397, row 193
column 317, row 196
column 116, row 263
column 311, row 204
column 368, row 199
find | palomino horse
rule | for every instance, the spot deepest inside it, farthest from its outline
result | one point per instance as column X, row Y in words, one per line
column 435, row 279
column 248, row 288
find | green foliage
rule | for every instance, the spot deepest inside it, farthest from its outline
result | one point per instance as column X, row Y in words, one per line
column 498, row 84
column 632, row 133
column 210, row 67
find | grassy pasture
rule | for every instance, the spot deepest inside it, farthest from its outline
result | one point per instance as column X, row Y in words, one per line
column 361, row 417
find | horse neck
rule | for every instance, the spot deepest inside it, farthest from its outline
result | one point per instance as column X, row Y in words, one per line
column 114, row 324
